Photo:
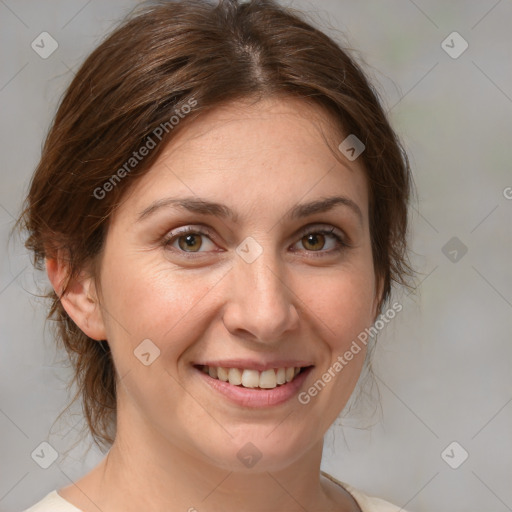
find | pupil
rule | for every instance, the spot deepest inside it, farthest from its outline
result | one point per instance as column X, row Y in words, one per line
column 313, row 239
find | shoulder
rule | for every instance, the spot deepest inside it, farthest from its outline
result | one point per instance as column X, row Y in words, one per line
column 53, row 502
column 365, row 502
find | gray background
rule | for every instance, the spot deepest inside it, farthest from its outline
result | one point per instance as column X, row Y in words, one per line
column 444, row 364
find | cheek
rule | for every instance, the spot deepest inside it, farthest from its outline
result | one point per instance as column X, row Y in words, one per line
column 341, row 301
column 144, row 300
column 341, row 308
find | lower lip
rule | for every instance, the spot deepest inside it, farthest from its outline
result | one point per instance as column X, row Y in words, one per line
column 257, row 398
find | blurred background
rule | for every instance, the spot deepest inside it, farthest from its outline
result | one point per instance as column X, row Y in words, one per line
column 442, row 438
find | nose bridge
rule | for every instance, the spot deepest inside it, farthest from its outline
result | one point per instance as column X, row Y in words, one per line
column 261, row 301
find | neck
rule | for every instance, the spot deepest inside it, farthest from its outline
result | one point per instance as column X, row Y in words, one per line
column 137, row 478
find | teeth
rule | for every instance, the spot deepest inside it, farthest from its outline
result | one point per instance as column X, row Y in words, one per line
column 222, row 374
column 250, row 379
column 235, row 376
column 268, row 379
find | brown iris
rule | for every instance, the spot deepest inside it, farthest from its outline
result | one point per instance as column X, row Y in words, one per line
column 313, row 239
column 192, row 242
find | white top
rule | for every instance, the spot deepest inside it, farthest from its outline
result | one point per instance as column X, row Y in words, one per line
column 53, row 502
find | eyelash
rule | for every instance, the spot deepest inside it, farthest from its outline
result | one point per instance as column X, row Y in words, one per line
column 172, row 236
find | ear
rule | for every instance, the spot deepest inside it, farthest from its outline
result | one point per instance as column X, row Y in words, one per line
column 80, row 300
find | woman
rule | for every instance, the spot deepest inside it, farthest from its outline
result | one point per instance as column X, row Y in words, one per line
column 221, row 208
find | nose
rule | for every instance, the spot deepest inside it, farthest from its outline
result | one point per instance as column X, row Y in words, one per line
column 260, row 305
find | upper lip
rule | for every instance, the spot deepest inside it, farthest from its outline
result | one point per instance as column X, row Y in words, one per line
column 260, row 366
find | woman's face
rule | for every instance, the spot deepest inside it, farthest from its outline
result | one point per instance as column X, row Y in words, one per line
column 254, row 285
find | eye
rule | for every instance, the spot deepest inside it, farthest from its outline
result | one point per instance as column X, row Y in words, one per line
column 188, row 240
column 315, row 239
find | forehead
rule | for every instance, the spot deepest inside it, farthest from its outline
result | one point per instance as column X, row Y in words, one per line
column 277, row 150
column 258, row 128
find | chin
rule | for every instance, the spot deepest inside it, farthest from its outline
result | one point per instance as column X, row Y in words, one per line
column 257, row 451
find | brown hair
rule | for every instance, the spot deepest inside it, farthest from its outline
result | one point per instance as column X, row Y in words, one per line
column 162, row 58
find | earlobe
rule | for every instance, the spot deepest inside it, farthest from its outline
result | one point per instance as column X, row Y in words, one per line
column 80, row 299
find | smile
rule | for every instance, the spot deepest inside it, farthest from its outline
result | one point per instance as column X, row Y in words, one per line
column 251, row 388
column 253, row 379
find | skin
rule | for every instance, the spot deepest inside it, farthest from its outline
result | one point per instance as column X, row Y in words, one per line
column 177, row 440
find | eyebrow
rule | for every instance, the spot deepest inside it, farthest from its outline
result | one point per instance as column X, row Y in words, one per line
column 205, row 207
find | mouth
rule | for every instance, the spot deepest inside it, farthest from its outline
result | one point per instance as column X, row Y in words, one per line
column 269, row 379
column 251, row 387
